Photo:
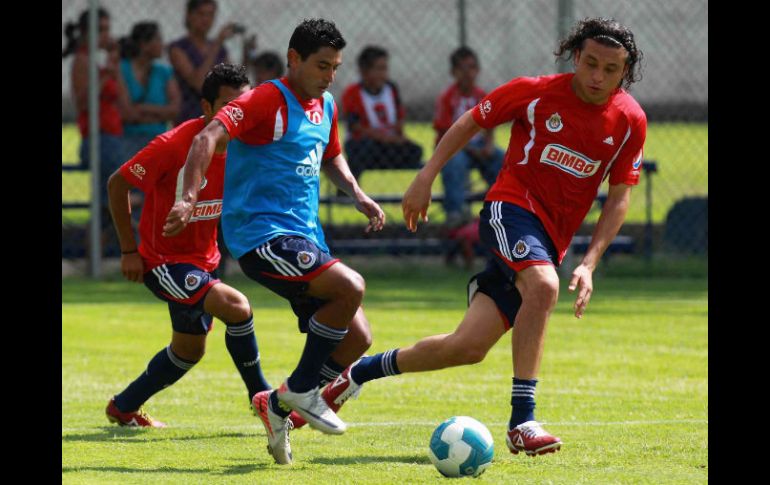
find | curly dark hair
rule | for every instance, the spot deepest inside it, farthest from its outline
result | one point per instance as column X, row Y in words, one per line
column 609, row 32
column 220, row 75
column 312, row 34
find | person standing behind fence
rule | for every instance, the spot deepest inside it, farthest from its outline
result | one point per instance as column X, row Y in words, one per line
column 263, row 67
column 480, row 152
column 375, row 115
column 194, row 54
column 154, row 97
column 112, row 96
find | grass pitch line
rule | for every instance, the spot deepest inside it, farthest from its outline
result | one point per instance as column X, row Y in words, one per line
column 433, row 423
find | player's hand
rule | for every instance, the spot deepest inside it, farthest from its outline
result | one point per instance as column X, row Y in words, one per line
column 415, row 203
column 372, row 210
column 582, row 278
column 177, row 218
column 132, row 267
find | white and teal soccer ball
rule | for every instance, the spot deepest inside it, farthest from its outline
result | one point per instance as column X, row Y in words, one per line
column 461, row 446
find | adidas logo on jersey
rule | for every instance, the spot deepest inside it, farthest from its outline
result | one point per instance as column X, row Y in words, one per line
column 609, row 141
column 311, row 165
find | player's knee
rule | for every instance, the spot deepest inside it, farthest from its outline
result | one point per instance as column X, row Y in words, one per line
column 191, row 352
column 542, row 291
column 352, row 288
column 241, row 309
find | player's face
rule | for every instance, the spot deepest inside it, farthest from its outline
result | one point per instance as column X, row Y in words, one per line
column 226, row 94
column 466, row 72
column 311, row 77
column 375, row 76
column 599, row 70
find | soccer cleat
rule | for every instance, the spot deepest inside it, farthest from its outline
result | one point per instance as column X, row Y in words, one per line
column 334, row 394
column 313, row 409
column 532, row 439
column 276, row 427
column 138, row 418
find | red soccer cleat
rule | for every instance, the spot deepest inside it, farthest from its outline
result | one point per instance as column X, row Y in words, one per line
column 334, row 394
column 532, row 439
column 137, row 418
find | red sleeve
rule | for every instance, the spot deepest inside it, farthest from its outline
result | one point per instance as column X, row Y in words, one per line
column 628, row 164
column 506, row 102
column 145, row 168
column 333, row 148
column 442, row 118
column 250, row 110
column 352, row 109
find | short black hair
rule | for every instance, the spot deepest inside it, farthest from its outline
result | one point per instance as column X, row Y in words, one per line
column 270, row 61
column 312, row 34
column 461, row 53
column 370, row 54
column 609, row 32
column 220, row 75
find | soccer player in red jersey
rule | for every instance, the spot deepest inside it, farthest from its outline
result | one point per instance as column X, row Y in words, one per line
column 181, row 270
column 570, row 132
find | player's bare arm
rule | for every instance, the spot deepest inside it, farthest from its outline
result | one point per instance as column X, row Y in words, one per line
column 213, row 139
column 417, row 197
column 338, row 171
column 130, row 261
column 612, row 217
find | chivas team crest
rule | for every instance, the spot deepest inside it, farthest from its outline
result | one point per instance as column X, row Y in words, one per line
column 554, row 123
column 191, row 281
column 521, row 249
column 305, row 259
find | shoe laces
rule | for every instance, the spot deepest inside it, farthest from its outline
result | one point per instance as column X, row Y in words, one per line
column 143, row 414
column 532, row 429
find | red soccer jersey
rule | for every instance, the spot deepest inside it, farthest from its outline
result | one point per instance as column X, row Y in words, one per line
column 562, row 148
column 157, row 171
column 381, row 111
column 452, row 104
column 258, row 117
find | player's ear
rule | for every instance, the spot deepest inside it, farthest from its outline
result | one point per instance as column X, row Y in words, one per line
column 293, row 57
column 206, row 108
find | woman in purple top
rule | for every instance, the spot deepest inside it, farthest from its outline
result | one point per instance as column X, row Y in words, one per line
column 193, row 56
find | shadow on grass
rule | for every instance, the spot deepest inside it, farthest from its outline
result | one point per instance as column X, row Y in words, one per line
column 128, row 435
column 363, row 460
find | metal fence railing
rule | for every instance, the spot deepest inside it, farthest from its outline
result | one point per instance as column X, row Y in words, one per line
column 511, row 39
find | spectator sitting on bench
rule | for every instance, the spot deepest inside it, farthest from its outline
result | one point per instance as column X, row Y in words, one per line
column 375, row 115
column 480, row 152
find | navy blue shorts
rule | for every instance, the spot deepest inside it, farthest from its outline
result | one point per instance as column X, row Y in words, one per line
column 286, row 265
column 183, row 286
column 515, row 239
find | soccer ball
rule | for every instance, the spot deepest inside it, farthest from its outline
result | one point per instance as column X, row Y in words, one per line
column 461, row 446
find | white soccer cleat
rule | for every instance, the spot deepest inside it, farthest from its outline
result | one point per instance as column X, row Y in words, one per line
column 276, row 427
column 313, row 409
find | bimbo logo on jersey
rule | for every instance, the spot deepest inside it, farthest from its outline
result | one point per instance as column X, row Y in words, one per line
column 570, row 161
column 311, row 165
column 207, row 209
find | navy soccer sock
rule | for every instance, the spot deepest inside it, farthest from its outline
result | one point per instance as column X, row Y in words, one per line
column 321, row 342
column 375, row 367
column 330, row 370
column 522, row 401
column 163, row 370
column 242, row 345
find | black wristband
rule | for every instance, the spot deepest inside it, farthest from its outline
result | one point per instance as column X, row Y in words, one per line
column 129, row 252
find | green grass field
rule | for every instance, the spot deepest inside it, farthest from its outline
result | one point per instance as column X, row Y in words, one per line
column 681, row 150
column 626, row 388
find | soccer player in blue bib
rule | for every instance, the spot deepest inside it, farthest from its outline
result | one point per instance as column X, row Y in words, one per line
column 281, row 135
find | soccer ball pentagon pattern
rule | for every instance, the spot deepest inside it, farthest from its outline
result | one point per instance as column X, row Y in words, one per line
column 461, row 446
